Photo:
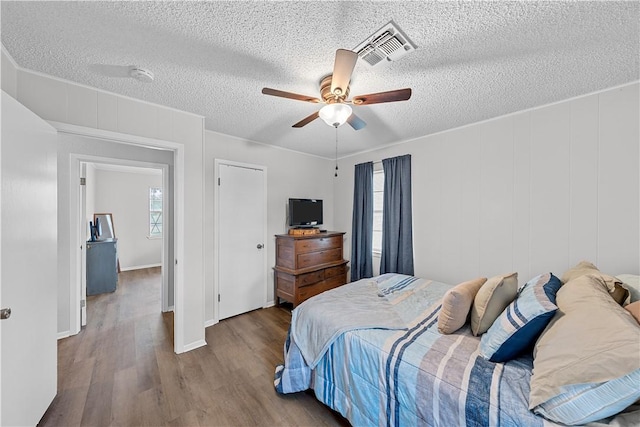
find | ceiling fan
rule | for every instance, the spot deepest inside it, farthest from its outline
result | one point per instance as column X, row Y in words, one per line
column 334, row 91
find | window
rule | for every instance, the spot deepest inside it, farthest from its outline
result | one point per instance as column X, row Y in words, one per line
column 378, row 193
column 155, row 212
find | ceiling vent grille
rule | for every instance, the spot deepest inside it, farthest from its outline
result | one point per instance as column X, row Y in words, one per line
column 389, row 43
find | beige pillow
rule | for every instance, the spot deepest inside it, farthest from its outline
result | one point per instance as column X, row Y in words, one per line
column 634, row 309
column 456, row 304
column 591, row 339
column 619, row 293
column 582, row 268
column 491, row 300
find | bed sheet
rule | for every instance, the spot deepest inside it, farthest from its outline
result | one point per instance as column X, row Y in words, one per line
column 419, row 376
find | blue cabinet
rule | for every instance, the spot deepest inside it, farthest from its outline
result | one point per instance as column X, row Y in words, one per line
column 102, row 270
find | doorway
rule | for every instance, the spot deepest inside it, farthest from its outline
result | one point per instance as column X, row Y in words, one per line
column 77, row 144
column 135, row 200
column 241, row 224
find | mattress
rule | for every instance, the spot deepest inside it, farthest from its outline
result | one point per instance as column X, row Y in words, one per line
column 418, row 376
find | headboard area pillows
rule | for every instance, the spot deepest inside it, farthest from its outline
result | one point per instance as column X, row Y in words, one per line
column 492, row 298
column 582, row 268
column 520, row 324
column 586, row 365
column 617, row 290
column 456, row 304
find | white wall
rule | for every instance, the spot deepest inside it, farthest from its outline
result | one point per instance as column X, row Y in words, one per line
column 289, row 174
column 66, row 102
column 530, row 192
column 126, row 196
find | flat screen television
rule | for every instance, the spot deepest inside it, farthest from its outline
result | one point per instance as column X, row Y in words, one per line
column 305, row 212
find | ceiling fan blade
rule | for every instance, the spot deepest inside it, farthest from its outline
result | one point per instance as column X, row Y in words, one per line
column 342, row 69
column 380, row 97
column 290, row 95
column 307, row 120
column 356, row 122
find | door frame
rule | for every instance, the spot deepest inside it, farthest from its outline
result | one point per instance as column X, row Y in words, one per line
column 216, row 235
column 79, row 160
column 83, row 239
column 178, row 220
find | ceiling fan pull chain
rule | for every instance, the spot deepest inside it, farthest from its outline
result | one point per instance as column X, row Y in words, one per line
column 336, row 175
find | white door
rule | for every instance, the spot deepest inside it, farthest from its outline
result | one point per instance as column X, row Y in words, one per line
column 28, row 265
column 241, row 253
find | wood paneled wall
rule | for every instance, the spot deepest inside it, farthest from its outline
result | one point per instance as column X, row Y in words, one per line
column 530, row 192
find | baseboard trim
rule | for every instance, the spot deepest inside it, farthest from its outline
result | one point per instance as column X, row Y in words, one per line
column 269, row 304
column 65, row 334
column 140, row 267
column 210, row 323
column 194, row 345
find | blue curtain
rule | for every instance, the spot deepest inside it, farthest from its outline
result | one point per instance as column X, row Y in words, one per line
column 362, row 223
column 397, row 240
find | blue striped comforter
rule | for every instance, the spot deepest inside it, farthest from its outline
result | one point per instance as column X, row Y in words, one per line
column 415, row 376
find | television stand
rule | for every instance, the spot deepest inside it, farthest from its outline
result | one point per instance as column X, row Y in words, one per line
column 308, row 265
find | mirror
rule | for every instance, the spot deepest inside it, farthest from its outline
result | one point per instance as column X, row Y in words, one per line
column 106, row 223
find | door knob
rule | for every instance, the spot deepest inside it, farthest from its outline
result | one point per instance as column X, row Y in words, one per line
column 5, row 313
column 260, row 246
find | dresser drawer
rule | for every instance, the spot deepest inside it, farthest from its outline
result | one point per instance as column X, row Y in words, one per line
column 310, row 278
column 318, row 258
column 335, row 271
column 318, row 244
column 317, row 288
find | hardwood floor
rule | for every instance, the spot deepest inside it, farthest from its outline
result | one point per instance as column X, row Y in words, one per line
column 121, row 370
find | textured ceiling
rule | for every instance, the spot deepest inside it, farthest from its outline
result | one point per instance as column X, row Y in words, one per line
column 475, row 60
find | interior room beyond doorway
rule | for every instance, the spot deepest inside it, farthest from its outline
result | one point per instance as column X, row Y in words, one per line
column 131, row 240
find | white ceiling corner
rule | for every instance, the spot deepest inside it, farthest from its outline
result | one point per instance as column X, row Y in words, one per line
column 474, row 61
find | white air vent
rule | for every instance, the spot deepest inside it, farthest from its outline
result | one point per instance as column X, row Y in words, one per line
column 388, row 43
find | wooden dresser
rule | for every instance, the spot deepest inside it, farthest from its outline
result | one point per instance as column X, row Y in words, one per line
column 307, row 265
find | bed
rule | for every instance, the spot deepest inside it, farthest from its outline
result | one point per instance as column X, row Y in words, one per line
column 404, row 372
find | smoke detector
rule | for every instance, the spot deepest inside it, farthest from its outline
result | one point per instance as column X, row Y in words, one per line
column 140, row 74
column 387, row 44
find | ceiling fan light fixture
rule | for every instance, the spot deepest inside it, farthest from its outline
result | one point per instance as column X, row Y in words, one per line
column 335, row 114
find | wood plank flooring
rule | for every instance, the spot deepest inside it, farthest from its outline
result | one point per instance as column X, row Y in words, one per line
column 120, row 370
